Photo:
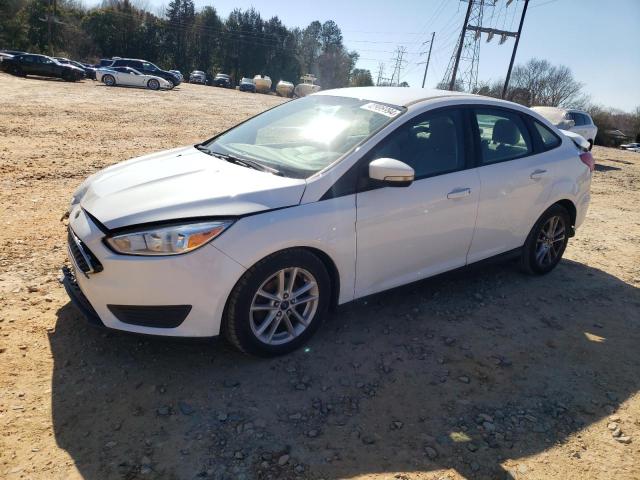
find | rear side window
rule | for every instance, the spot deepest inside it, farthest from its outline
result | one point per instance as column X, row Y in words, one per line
column 577, row 118
column 503, row 136
column 549, row 139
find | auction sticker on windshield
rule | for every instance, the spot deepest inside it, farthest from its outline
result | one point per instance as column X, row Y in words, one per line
column 385, row 110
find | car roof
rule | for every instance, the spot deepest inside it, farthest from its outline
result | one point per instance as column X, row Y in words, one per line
column 401, row 96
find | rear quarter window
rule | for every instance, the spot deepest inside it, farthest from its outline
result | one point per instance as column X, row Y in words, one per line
column 548, row 138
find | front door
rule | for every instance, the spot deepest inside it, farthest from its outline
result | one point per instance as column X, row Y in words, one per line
column 409, row 233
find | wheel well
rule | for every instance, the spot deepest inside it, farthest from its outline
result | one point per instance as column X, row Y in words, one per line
column 569, row 207
column 329, row 264
column 332, row 270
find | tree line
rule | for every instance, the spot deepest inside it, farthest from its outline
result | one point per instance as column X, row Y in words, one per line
column 242, row 44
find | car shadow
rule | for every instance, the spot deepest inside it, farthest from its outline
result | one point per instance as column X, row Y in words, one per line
column 51, row 79
column 462, row 371
column 605, row 168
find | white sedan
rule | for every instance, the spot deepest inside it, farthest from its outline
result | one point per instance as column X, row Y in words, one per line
column 130, row 77
column 257, row 232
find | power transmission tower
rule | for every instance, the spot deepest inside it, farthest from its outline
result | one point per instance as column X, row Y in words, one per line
column 380, row 73
column 399, row 64
column 463, row 66
column 426, row 68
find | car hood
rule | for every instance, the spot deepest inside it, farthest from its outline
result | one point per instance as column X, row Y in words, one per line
column 182, row 183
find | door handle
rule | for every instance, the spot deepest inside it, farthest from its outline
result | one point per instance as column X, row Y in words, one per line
column 536, row 174
column 459, row 193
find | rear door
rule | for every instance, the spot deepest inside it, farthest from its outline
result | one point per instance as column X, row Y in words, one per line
column 406, row 234
column 514, row 181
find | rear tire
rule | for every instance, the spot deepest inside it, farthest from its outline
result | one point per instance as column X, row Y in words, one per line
column 17, row 71
column 278, row 304
column 109, row 80
column 546, row 242
column 153, row 84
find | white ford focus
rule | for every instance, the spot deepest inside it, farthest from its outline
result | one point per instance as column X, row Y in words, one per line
column 255, row 233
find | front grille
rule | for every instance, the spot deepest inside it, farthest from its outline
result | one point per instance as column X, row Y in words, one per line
column 84, row 258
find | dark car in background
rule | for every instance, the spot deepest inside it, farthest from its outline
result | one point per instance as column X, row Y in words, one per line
column 90, row 72
column 146, row 68
column 222, row 80
column 41, row 65
column 104, row 62
column 9, row 54
column 247, row 85
column 198, row 76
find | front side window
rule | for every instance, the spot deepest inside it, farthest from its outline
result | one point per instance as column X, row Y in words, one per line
column 149, row 66
column 432, row 143
column 503, row 136
column 304, row 136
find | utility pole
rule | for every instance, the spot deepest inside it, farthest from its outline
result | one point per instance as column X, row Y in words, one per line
column 49, row 19
column 460, row 44
column 515, row 48
column 424, row 79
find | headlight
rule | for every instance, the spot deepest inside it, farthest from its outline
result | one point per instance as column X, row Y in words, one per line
column 168, row 240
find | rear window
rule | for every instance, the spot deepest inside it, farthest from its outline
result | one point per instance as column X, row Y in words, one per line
column 549, row 139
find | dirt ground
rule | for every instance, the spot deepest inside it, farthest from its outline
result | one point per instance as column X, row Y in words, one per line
column 483, row 374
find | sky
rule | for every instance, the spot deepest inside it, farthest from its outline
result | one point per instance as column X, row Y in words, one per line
column 599, row 40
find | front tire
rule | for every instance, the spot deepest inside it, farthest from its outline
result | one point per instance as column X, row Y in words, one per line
column 153, row 84
column 278, row 304
column 109, row 80
column 546, row 242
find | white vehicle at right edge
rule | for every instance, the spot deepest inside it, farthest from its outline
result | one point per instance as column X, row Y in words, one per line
column 572, row 120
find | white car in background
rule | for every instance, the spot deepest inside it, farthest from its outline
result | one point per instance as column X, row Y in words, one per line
column 630, row 146
column 575, row 121
column 130, row 77
column 256, row 232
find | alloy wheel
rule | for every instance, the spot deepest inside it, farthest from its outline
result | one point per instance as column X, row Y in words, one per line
column 284, row 306
column 550, row 241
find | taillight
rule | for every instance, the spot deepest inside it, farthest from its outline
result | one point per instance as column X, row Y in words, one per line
column 588, row 160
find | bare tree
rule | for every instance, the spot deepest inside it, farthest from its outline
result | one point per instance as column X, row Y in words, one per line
column 538, row 82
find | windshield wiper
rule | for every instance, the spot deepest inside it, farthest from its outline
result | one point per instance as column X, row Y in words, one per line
column 245, row 162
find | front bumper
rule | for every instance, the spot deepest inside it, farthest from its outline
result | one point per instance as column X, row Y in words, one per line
column 78, row 299
column 178, row 296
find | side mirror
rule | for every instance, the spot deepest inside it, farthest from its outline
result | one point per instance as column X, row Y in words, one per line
column 390, row 172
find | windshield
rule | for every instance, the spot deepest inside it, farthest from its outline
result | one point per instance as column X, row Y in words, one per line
column 302, row 137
